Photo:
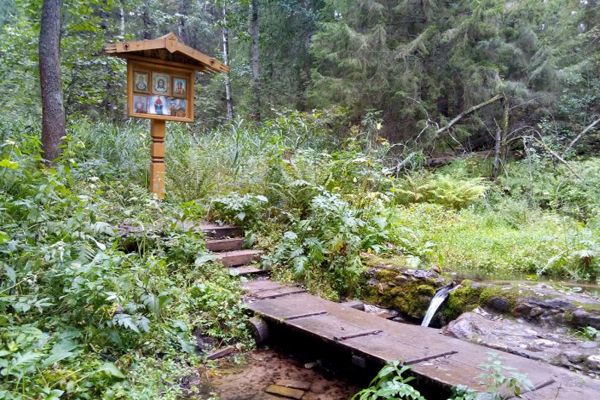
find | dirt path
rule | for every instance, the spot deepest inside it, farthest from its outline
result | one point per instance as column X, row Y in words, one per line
column 264, row 368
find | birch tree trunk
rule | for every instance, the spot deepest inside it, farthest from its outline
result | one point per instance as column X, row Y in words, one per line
column 255, row 59
column 228, row 97
column 53, row 112
column 121, row 20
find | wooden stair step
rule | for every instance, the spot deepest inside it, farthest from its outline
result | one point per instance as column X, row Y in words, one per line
column 225, row 244
column 238, row 257
column 246, row 270
column 215, row 231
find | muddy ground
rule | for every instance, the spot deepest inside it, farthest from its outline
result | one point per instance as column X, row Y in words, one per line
column 263, row 368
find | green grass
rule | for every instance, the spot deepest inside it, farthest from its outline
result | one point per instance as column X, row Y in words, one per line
column 512, row 241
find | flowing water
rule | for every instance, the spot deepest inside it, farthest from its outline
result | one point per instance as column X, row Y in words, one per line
column 436, row 302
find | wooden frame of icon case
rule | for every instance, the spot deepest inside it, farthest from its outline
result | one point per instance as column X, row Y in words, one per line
column 160, row 102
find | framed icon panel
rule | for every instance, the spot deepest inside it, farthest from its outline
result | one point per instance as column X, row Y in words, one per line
column 157, row 90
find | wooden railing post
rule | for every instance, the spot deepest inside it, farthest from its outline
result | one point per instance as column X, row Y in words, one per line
column 157, row 163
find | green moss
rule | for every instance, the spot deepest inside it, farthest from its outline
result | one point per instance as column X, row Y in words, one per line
column 426, row 290
column 386, row 275
column 398, row 262
column 510, row 296
column 465, row 298
column 590, row 307
column 410, row 296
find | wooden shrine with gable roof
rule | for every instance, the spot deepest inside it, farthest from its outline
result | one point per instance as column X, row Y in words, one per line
column 160, row 86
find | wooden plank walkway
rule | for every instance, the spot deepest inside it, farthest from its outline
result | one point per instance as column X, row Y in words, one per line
column 443, row 359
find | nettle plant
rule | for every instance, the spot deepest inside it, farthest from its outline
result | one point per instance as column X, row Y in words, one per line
column 331, row 237
column 390, row 383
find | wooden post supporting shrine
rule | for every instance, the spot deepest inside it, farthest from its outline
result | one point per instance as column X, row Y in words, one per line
column 157, row 162
column 160, row 87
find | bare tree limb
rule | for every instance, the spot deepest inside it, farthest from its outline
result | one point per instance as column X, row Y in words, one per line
column 467, row 112
column 583, row 132
column 554, row 154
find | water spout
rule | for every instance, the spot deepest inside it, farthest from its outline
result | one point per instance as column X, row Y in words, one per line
column 439, row 297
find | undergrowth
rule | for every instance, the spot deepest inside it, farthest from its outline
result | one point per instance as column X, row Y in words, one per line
column 102, row 293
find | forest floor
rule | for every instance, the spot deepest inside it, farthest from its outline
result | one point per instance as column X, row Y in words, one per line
column 103, row 293
column 264, row 368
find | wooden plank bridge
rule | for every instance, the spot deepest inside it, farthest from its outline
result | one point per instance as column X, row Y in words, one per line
column 431, row 355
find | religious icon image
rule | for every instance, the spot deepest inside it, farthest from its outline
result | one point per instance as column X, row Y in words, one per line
column 179, row 87
column 177, row 107
column 140, row 82
column 158, row 105
column 140, row 104
column 160, row 83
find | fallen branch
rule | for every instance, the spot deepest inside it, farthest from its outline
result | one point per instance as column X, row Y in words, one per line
column 467, row 112
column 554, row 154
column 583, row 132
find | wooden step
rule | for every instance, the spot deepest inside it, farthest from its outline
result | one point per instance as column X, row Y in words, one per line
column 238, row 257
column 246, row 270
column 215, row 231
column 225, row 244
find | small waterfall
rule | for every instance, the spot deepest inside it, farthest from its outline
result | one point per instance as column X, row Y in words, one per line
column 436, row 302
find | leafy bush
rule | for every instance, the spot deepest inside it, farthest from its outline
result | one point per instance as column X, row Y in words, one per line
column 574, row 192
column 80, row 316
column 331, row 237
column 243, row 210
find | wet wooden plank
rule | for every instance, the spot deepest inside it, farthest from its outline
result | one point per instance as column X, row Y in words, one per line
column 441, row 358
column 277, row 293
column 256, row 286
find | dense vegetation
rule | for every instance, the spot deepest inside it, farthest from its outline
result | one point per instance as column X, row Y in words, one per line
column 103, row 294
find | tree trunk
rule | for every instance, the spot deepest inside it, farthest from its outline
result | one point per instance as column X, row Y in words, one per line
column 228, row 98
column 500, row 147
column 121, row 20
column 305, row 60
column 146, row 21
column 255, row 59
column 497, row 152
column 53, row 112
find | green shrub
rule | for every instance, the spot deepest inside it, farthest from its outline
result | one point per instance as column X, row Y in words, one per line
column 243, row 210
column 389, row 383
column 438, row 189
column 574, row 192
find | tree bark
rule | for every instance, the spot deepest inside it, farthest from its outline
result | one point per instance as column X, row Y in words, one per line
column 53, row 112
column 255, row 59
column 497, row 152
column 228, row 98
column 121, row 20
column 146, row 21
column 500, row 146
column 305, row 60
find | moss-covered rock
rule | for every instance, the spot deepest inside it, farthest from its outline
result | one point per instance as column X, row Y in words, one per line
column 392, row 284
column 464, row 298
column 407, row 290
column 499, row 299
